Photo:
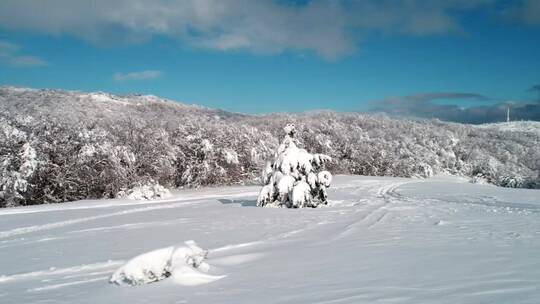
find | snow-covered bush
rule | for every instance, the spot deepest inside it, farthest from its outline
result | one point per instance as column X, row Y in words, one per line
column 511, row 181
column 145, row 191
column 185, row 264
column 294, row 179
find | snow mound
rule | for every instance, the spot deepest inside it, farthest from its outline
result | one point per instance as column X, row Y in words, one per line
column 148, row 191
column 184, row 264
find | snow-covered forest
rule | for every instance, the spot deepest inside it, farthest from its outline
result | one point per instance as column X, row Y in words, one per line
column 58, row 146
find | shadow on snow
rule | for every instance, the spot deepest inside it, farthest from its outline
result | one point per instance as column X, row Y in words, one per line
column 242, row 202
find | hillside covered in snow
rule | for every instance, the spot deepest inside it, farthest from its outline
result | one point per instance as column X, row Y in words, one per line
column 58, row 146
column 514, row 126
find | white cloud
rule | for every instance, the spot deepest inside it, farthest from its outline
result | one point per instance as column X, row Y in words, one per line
column 7, row 48
column 26, row 61
column 10, row 55
column 326, row 27
column 142, row 75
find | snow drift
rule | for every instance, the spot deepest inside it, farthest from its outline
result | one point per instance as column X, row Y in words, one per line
column 185, row 264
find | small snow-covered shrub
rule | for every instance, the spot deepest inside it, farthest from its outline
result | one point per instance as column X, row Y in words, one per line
column 145, row 268
column 424, row 170
column 185, row 264
column 294, row 179
column 148, row 191
column 511, row 181
column 479, row 179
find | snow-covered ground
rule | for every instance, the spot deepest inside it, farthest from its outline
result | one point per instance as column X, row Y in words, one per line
column 382, row 240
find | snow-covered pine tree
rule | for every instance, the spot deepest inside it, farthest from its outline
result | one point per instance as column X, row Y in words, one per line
column 295, row 179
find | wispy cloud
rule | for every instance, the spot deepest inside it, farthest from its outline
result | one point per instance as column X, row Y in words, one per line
column 10, row 54
column 527, row 12
column 142, row 75
column 535, row 88
column 328, row 28
column 424, row 106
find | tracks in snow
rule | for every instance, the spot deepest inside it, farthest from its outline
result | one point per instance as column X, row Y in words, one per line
column 55, row 278
column 377, row 209
column 29, row 229
column 165, row 204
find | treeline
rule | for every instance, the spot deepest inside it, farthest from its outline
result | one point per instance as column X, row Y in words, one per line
column 58, row 146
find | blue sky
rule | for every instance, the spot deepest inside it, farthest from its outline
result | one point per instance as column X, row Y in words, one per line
column 270, row 56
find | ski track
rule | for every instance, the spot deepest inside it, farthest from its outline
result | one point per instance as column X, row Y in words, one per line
column 385, row 195
column 165, row 204
column 57, row 286
column 83, row 269
column 138, row 225
column 29, row 229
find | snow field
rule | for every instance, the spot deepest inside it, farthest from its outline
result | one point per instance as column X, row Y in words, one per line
column 380, row 240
